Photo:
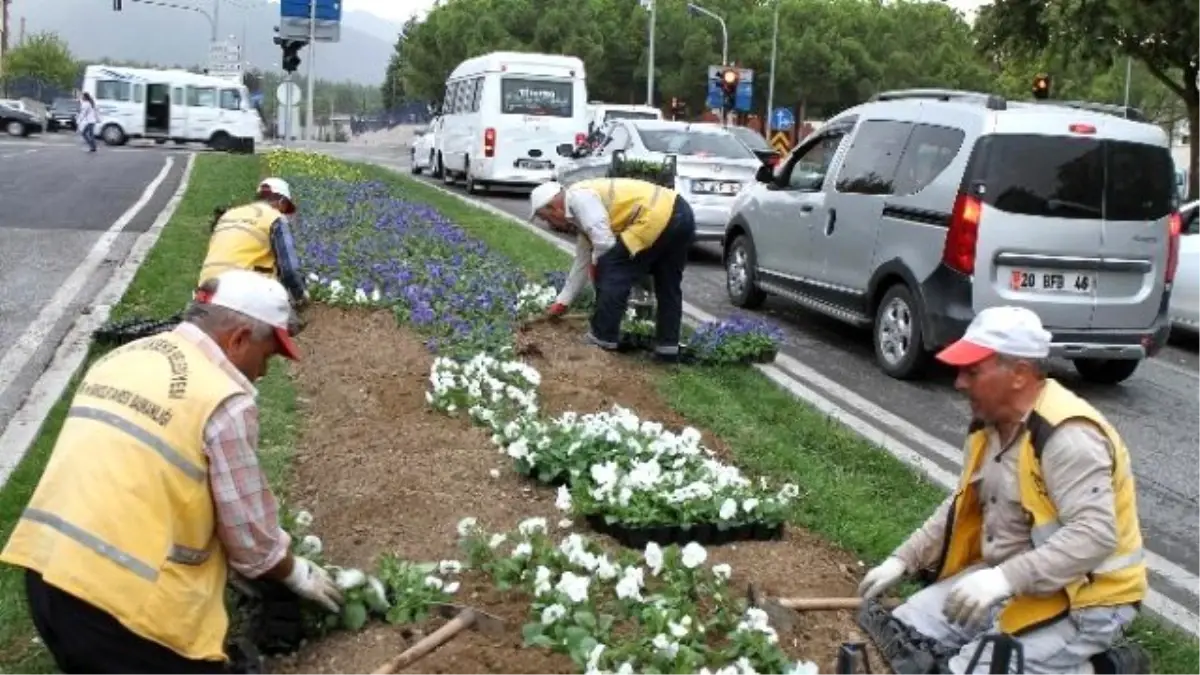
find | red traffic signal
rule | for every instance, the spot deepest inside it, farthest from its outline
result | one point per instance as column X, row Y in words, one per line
column 729, row 79
column 1041, row 86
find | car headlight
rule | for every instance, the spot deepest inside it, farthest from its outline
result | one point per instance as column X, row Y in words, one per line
column 727, row 188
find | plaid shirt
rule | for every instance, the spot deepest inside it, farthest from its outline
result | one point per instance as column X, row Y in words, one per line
column 246, row 510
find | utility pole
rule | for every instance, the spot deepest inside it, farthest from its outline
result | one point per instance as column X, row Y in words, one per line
column 312, row 52
column 3, row 33
column 771, row 82
column 650, row 68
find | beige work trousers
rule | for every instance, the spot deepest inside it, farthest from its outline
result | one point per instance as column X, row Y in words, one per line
column 1064, row 646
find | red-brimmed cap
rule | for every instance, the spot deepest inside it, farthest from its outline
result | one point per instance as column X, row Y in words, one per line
column 1007, row 330
column 258, row 297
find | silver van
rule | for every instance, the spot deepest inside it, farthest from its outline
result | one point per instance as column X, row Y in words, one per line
column 911, row 212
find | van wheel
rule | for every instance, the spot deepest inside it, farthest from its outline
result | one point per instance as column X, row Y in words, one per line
column 436, row 163
column 741, row 274
column 1106, row 371
column 111, row 134
column 473, row 186
column 899, row 343
column 412, row 163
column 447, row 174
column 221, row 142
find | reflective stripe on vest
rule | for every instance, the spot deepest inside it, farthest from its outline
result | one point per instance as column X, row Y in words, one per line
column 1041, row 534
column 265, row 241
column 142, row 436
column 183, row 555
column 610, row 198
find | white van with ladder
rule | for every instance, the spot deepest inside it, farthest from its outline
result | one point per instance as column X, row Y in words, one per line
column 172, row 105
column 505, row 116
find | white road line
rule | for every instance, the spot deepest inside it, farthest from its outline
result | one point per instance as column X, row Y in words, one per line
column 23, row 428
column 18, row 154
column 1172, row 573
column 20, row 354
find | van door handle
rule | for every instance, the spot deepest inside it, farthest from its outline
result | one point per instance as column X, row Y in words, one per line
column 806, row 208
column 831, row 223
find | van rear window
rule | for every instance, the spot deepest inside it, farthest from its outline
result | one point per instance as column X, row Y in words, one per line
column 1072, row 177
column 547, row 98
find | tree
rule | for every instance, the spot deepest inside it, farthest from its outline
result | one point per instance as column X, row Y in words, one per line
column 1161, row 34
column 44, row 57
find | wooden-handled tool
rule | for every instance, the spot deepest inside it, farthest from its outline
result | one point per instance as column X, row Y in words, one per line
column 464, row 618
column 782, row 611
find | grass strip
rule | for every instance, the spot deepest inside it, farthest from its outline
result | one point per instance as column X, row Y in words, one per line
column 855, row 494
column 162, row 285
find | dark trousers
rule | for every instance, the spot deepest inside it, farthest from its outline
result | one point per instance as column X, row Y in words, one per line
column 89, row 136
column 617, row 272
column 84, row 639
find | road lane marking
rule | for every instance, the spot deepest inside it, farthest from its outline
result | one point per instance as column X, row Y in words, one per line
column 790, row 379
column 22, row 352
column 22, row 430
column 8, row 155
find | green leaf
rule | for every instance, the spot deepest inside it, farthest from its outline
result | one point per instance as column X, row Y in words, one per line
column 354, row 616
column 425, row 568
column 575, row 636
column 530, row 633
column 585, row 618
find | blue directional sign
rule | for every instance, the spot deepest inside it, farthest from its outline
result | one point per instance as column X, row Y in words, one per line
column 743, row 97
column 294, row 23
column 782, row 119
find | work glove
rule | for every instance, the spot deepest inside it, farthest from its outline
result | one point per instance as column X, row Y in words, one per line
column 971, row 599
column 882, row 577
column 557, row 309
column 310, row 581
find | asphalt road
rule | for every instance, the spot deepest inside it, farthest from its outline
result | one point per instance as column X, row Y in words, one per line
column 67, row 219
column 1157, row 410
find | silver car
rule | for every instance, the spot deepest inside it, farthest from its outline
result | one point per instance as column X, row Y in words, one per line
column 910, row 213
column 712, row 167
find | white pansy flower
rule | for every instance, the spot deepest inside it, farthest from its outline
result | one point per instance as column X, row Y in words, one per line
column 693, row 555
column 541, row 581
column 630, row 585
column 563, row 499
column 434, row 582
column 310, row 545
column 553, row 613
column 522, row 550
column 729, row 509
column 466, row 526
column 574, row 586
column 654, row 558
column 497, row 539
column 565, row 523
column 750, row 504
column 347, row 579
column 303, row 518
column 802, row 668
column 449, row 567
column 531, row 526
column 722, row 571
column 452, row 587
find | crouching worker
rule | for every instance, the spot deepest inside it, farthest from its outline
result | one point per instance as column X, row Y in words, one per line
column 257, row 237
column 154, row 488
column 626, row 228
column 1041, row 539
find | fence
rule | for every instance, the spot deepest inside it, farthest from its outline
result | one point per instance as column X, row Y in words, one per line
column 33, row 88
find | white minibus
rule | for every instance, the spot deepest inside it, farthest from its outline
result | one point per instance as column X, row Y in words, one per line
column 506, row 114
column 172, row 105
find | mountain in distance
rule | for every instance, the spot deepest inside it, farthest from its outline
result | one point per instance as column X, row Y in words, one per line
column 170, row 37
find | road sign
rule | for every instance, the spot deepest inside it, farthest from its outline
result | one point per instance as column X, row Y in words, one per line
column 745, row 89
column 284, row 98
column 782, row 119
column 781, row 142
column 294, row 20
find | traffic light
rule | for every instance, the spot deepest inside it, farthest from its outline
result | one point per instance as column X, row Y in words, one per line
column 291, row 53
column 1041, row 87
column 116, row 5
column 728, row 81
column 678, row 108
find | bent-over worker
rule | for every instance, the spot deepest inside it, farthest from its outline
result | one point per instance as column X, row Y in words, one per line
column 626, row 228
column 154, row 488
column 257, row 237
column 1041, row 539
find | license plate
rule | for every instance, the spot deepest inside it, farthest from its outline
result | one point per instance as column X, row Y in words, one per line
column 532, row 164
column 1050, row 281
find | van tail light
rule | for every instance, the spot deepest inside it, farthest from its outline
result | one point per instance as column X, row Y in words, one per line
column 1174, row 229
column 580, row 139
column 959, row 252
column 489, row 142
column 772, row 160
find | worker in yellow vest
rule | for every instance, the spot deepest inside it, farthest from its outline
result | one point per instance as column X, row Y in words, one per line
column 154, row 488
column 625, row 229
column 1041, row 539
column 257, row 237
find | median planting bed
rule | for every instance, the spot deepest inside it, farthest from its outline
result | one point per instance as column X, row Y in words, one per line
column 450, row 454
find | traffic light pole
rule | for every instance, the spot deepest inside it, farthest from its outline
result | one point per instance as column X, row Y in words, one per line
column 312, row 51
column 287, row 113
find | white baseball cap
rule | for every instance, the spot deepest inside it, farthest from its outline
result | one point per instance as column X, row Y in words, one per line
column 258, row 297
column 276, row 186
column 541, row 196
column 1005, row 330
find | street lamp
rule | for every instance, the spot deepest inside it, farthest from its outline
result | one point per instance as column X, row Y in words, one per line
column 651, row 5
column 694, row 8
column 771, row 81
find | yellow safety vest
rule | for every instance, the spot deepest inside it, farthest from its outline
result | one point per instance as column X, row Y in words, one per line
column 1121, row 579
column 123, row 517
column 241, row 240
column 638, row 211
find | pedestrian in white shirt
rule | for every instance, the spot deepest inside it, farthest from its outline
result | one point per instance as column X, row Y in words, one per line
column 87, row 120
column 626, row 228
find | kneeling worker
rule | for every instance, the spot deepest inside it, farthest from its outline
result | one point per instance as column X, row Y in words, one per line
column 1041, row 539
column 256, row 237
column 154, row 488
column 626, row 228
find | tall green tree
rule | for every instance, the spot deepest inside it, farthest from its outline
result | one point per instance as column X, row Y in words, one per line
column 1162, row 35
column 44, row 57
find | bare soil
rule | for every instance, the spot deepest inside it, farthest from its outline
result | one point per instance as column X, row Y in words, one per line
column 382, row 473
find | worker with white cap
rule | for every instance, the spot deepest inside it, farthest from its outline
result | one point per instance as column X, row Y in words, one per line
column 154, row 490
column 625, row 230
column 1041, row 538
column 257, row 237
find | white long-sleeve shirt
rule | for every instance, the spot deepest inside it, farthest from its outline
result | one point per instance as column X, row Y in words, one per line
column 586, row 210
column 87, row 114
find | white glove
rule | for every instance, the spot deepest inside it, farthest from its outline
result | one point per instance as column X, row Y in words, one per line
column 309, row 580
column 970, row 601
column 883, row 577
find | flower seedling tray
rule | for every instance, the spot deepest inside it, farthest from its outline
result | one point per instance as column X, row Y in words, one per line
column 637, row 537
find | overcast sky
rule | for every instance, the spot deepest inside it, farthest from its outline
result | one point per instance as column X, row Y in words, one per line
column 399, row 10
